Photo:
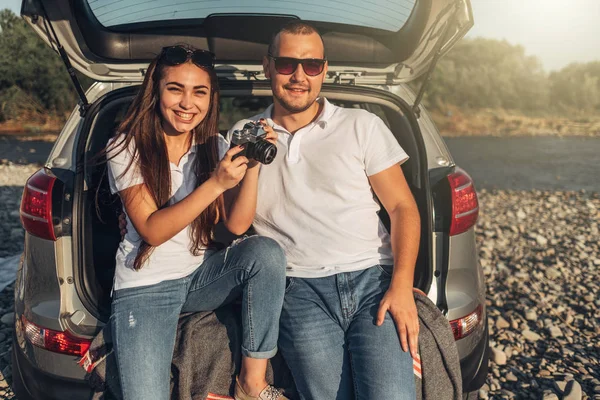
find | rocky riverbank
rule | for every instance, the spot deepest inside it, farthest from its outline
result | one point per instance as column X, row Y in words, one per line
column 541, row 259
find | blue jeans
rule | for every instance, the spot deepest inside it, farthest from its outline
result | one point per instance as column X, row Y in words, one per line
column 144, row 319
column 331, row 344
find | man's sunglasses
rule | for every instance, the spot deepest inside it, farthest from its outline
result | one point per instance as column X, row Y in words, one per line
column 175, row 55
column 288, row 65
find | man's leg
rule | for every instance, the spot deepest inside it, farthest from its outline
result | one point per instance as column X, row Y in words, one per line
column 312, row 339
column 381, row 369
column 144, row 325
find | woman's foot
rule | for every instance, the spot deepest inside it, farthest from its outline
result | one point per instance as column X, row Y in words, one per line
column 268, row 393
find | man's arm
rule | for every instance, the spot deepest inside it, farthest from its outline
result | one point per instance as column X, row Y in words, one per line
column 391, row 188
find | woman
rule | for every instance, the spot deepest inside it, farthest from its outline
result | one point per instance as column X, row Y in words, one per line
column 165, row 166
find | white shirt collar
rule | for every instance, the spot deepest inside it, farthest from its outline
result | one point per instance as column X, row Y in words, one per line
column 321, row 120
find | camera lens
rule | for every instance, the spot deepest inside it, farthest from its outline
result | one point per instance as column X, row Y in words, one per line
column 265, row 152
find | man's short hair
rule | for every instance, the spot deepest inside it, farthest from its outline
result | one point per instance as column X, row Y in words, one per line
column 294, row 28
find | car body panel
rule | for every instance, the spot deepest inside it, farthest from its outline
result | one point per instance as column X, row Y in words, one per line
column 465, row 285
column 438, row 153
column 463, row 273
column 39, row 286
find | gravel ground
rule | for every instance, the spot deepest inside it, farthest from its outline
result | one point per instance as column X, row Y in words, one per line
column 12, row 180
column 541, row 259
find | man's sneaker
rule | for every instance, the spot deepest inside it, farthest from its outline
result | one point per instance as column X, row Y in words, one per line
column 268, row 393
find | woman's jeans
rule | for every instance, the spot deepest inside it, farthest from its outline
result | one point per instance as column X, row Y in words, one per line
column 144, row 319
column 331, row 344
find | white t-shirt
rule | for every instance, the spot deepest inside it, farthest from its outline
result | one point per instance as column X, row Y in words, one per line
column 172, row 259
column 315, row 199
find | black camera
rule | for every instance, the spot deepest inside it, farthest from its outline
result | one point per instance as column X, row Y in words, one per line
column 252, row 138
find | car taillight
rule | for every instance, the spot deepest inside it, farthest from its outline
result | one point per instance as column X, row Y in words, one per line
column 56, row 341
column 36, row 205
column 464, row 326
column 465, row 207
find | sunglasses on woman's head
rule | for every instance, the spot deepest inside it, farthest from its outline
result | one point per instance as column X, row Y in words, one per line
column 288, row 65
column 175, row 55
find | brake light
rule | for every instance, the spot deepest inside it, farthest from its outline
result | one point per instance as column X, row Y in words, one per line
column 36, row 205
column 465, row 206
column 463, row 327
column 56, row 341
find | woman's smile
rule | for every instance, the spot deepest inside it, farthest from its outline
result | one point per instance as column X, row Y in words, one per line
column 183, row 116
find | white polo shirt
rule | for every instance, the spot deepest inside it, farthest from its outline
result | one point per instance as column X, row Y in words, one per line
column 172, row 259
column 315, row 199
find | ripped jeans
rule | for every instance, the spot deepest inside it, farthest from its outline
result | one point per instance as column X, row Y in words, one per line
column 144, row 319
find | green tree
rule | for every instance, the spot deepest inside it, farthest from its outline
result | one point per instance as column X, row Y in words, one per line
column 576, row 88
column 30, row 71
column 480, row 73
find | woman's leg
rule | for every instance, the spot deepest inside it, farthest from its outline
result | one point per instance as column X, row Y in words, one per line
column 255, row 268
column 144, row 325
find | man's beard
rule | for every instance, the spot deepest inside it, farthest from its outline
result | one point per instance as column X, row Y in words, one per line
column 291, row 107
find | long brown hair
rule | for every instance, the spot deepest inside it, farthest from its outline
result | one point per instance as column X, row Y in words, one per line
column 143, row 125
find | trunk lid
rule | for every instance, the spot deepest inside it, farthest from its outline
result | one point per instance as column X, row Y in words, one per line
column 379, row 42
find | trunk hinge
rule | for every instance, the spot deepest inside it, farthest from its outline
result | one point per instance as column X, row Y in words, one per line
column 345, row 77
column 436, row 56
column 251, row 75
column 83, row 102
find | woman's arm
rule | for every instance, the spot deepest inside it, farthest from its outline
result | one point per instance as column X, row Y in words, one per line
column 157, row 226
column 240, row 201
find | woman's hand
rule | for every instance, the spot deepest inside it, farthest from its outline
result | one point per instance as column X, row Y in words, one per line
column 230, row 172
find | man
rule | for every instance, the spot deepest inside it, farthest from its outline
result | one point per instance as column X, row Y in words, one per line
column 349, row 318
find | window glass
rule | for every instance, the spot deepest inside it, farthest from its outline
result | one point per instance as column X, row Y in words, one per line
column 382, row 14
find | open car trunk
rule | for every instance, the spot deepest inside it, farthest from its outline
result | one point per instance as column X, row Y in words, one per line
column 98, row 210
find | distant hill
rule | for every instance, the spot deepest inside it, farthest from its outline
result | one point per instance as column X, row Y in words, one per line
column 486, row 73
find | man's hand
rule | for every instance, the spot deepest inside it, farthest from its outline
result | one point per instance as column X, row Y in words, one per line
column 271, row 138
column 400, row 303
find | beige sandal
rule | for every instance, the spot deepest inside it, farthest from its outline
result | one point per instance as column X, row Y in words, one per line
column 268, row 393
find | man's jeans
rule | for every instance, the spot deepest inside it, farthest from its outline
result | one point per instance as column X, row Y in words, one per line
column 144, row 319
column 331, row 344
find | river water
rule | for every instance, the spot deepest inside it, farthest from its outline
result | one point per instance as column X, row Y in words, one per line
column 547, row 163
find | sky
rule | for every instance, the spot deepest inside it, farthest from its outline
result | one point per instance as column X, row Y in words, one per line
column 558, row 32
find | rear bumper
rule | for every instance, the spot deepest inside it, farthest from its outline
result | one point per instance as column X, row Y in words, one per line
column 474, row 367
column 30, row 383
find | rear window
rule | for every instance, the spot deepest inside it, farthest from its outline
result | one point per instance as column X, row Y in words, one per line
column 389, row 15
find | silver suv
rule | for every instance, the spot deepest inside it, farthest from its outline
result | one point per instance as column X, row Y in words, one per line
column 62, row 294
